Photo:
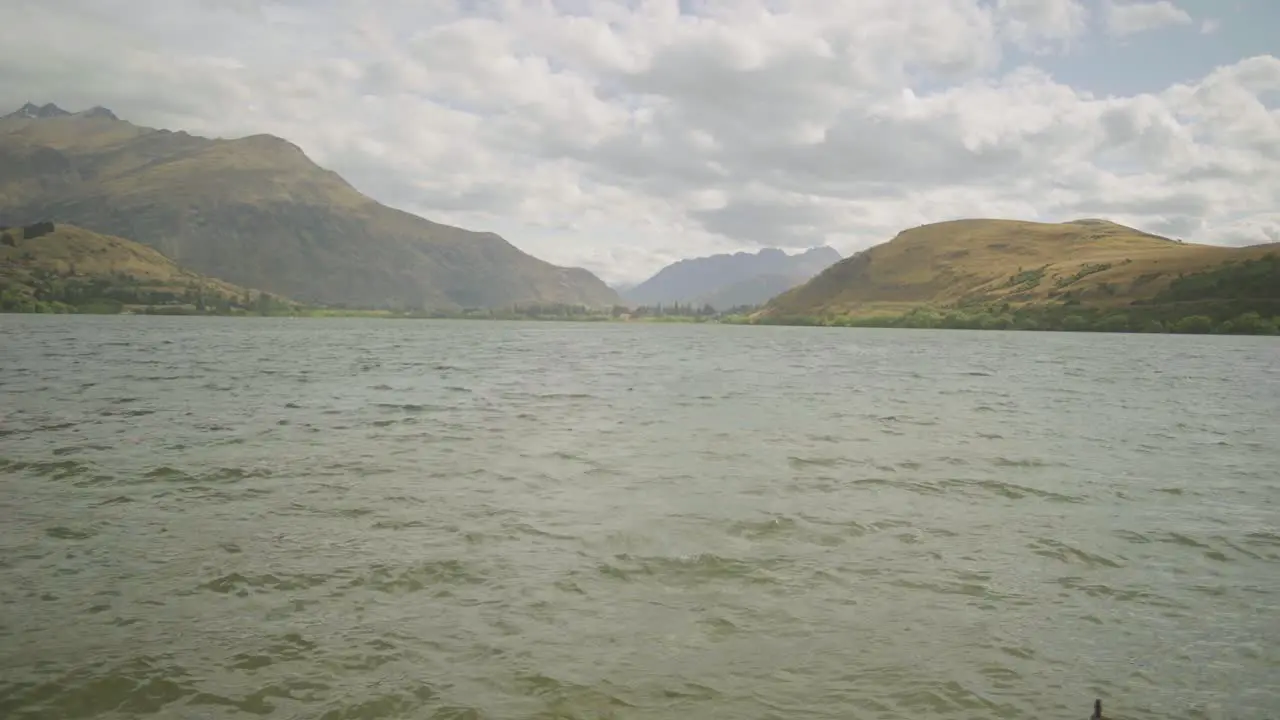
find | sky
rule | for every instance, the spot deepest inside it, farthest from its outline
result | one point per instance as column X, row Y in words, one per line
column 623, row 135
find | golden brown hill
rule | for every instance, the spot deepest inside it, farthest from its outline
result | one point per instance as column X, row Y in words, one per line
column 256, row 211
column 48, row 265
column 965, row 263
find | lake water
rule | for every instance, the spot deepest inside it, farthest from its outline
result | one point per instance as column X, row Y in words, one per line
column 340, row 519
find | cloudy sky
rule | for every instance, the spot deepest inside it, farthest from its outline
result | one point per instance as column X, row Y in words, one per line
column 620, row 135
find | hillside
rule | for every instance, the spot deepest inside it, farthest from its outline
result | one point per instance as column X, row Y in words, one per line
column 51, row 268
column 729, row 280
column 973, row 263
column 753, row 291
column 258, row 212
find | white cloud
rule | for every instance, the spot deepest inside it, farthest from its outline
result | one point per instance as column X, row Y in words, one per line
column 1253, row 230
column 1036, row 24
column 624, row 136
column 1126, row 18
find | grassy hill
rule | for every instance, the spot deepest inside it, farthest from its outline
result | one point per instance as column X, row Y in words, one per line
column 1002, row 271
column 258, row 212
column 62, row 268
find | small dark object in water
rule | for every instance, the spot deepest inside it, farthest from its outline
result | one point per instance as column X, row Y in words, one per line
column 1097, row 710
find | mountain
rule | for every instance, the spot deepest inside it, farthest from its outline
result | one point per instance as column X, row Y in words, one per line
column 755, row 290
column 728, row 280
column 984, row 263
column 31, row 111
column 258, row 212
column 47, row 266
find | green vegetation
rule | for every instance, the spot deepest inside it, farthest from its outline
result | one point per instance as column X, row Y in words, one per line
column 1078, row 276
column 1216, row 301
column 51, row 293
column 65, row 269
column 674, row 313
column 1239, row 298
column 981, row 263
column 1253, row 278
column 1085, row 271
column 1058, row 318
column 1024, row 281
column 46, row 291
column 1215, row 319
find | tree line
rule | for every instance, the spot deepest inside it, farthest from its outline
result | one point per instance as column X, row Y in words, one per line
column 50, row 292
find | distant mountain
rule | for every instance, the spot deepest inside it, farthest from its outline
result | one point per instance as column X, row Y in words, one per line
column 258, row 212
column 51, row 267
column 31, row 111
column 623, row 288
column 729, row 280
column 752, row 291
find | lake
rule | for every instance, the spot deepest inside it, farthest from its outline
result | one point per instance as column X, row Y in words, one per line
column 340, row 519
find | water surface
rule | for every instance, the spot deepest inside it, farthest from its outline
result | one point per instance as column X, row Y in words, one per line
column 215, row 518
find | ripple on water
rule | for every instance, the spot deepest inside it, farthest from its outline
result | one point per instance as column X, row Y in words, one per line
column 244, row 585
column 409, row 407
column 565, row 699
column 65, row 533
column 1013, row 491
column 438, row 576
column 53, row 469
column 1067, row 553
column 763, row 529
column 465, row 520
column 143, row 685
column 693, row 569
column 819, row 462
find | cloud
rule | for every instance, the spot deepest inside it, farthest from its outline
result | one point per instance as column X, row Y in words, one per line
column 1253, row 230
column 1036, row 24
column 1126, row 18
column 622, row 136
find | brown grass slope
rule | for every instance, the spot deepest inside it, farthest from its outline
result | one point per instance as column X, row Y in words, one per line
column 982, row 261
column 256, row 211
column 72, row 253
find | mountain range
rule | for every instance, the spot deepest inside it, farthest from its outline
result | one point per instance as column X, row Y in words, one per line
column 247, row 222
column 730, row 280
column 257, row 212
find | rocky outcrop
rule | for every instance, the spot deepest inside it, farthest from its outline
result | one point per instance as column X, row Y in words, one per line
column 35, row 230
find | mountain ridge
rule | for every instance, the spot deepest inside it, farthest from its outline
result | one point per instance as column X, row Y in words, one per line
column 727, row 280
column 31, row 111
column 257, row 211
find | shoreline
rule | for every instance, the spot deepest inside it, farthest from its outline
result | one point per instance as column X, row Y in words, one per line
column 1034, row 320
